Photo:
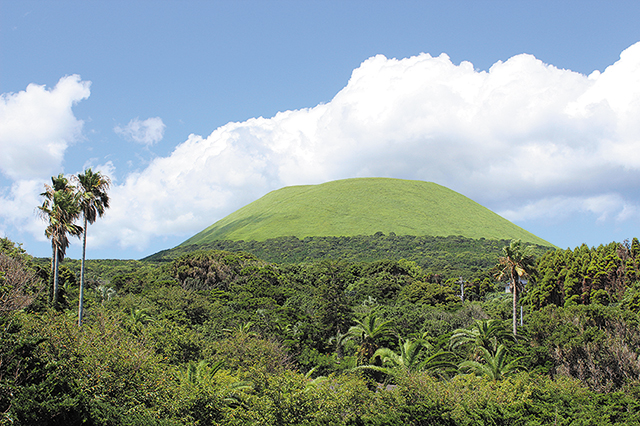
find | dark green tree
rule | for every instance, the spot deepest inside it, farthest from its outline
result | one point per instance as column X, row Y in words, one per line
column 332, row 304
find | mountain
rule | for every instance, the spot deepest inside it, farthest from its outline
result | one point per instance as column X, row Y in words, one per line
column 362, row 206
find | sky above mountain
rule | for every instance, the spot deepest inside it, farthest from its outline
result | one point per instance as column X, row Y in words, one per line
column 196, row 108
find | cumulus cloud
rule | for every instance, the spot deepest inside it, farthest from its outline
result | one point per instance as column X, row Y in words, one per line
column 611, row 206
column 524, row 138
column 37, row 125
column 147, row 132
column 18, row 207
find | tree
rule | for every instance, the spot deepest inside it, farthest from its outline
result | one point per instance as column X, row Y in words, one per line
column 410, row 358
column 494, row 367
column 105, row 293
column 483, row 334
column 514, row 264
column 330, row 280
column 369, row 332
column 93, row 198
column 61, row 208
column 19, row 281
column 340, row 339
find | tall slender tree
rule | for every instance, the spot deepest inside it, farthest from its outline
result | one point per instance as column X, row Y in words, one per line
column 61, row 208
column 93, row 199
column 515, row 264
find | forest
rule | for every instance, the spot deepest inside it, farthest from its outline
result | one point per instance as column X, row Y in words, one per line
column 220, row 337
column 454, row 255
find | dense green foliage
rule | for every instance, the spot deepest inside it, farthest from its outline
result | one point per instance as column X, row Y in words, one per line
column 362, row 206
column 604, row 275
column 228, row 338
column 446, row 256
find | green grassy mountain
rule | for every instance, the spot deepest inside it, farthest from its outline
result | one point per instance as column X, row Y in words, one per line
column 362, row 206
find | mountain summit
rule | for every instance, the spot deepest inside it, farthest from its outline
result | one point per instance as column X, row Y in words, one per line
column 363, row 206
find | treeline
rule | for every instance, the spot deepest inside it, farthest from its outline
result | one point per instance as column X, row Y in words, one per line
column 227, row 338
column 447, row 256
column 606, row 274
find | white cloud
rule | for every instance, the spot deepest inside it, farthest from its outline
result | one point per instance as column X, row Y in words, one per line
column 19, row 207
column 523, row 133
column 36, row 127
column 524, row 138
column 604, row 207
column 147, row 132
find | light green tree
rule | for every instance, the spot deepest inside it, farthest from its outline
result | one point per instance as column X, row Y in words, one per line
column 202, row 377
column 483, row 334
column 414, row 355
column 93, row 199
column 495, row 366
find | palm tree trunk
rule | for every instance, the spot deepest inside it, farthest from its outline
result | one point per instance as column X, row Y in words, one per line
column 56, row 261
column 514, row 290
column 84, row 250
column 50, row 280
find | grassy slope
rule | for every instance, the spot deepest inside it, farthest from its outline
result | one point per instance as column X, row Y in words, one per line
column 363, row 206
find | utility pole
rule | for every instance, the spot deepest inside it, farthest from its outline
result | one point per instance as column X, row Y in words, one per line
column 521, row 321
column 523, row 282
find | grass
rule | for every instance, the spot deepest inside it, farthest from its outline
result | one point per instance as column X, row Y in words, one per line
column 363, row 206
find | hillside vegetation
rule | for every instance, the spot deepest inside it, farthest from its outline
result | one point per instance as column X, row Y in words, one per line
column 362, row 206
column 446, row 256
column 222, row 338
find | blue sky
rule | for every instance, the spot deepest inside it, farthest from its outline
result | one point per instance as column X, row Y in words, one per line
column 196, row 108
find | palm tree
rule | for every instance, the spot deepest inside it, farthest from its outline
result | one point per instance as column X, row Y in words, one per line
column 202, row 375
column 483, row 334
column 514, row 264
column 340, row 339
column 494, row 367
column 409, row 358
column 106, row 293
column 139, row 317
column 243, row 330
column 199, row 373
column 369, row 331
column 61, row 208
column 92, row 188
